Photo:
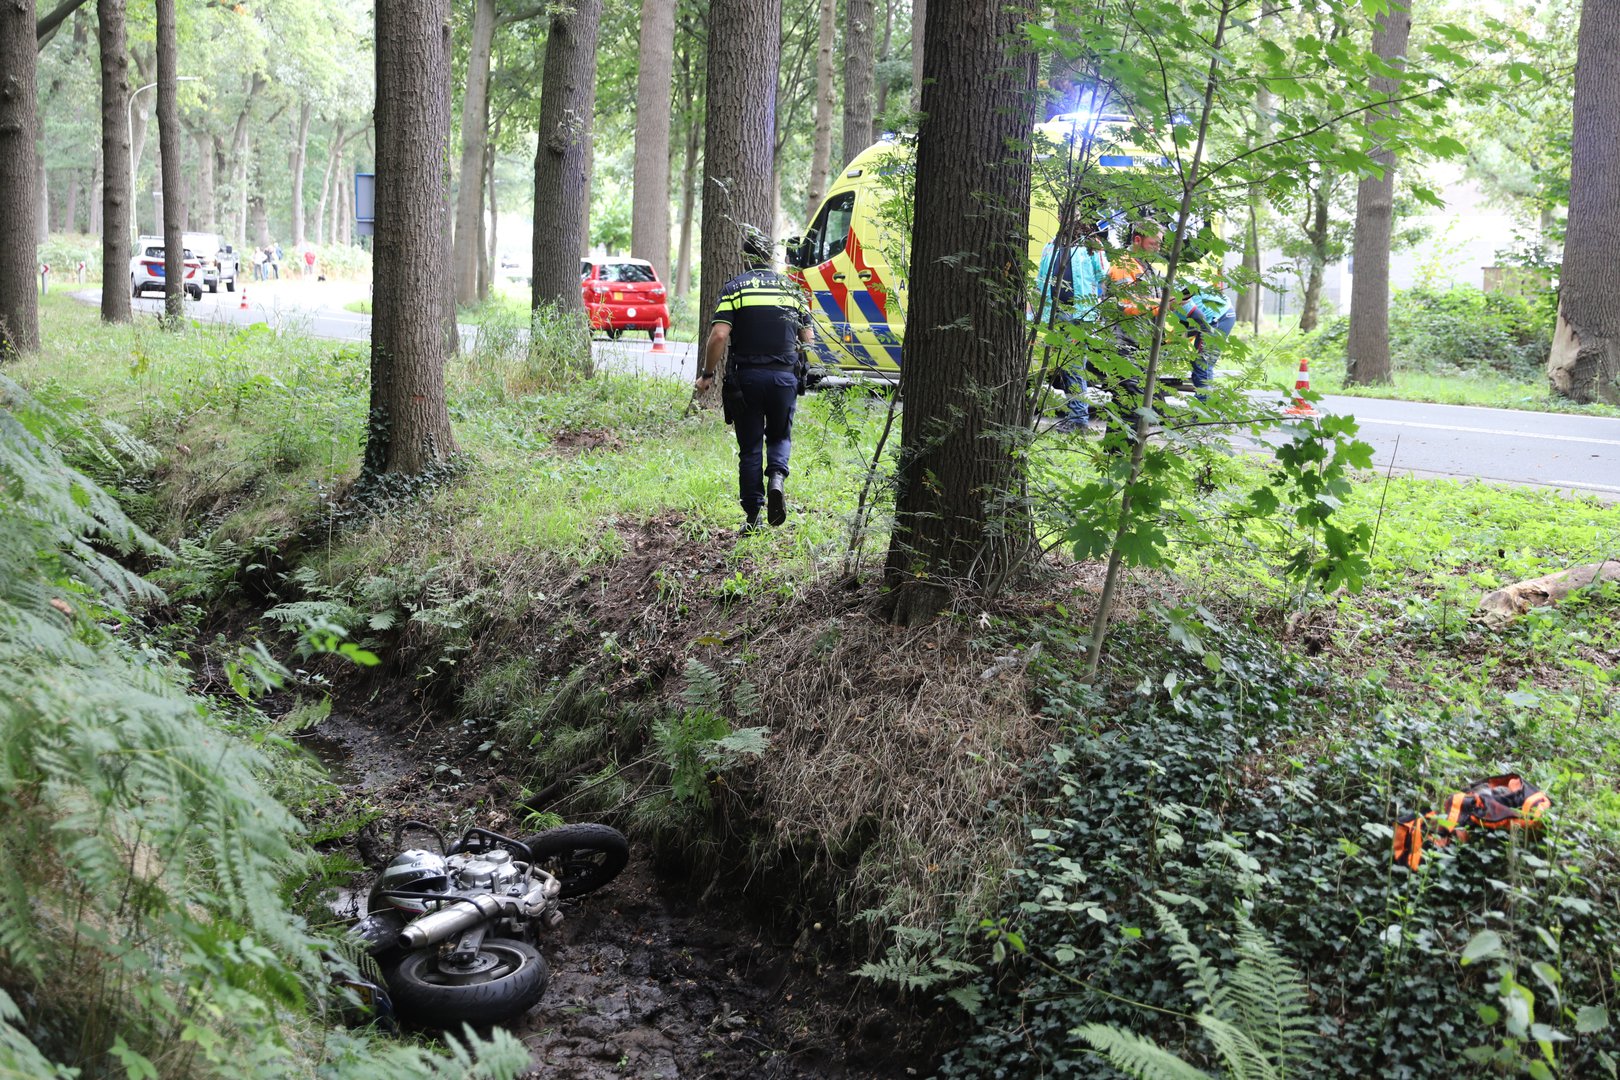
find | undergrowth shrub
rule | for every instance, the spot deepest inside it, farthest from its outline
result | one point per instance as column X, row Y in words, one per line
column 1232, row 781
column 1460, row 330
column 143, row 927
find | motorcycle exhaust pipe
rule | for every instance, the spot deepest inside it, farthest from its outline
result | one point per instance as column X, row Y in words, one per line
column 464, row 914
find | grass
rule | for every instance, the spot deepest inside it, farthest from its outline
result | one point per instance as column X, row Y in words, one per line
column 1280, row 351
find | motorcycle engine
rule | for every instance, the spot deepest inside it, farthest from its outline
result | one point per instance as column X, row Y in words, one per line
column 491, row 870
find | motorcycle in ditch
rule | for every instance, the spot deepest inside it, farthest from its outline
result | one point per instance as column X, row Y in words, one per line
column 452, row 932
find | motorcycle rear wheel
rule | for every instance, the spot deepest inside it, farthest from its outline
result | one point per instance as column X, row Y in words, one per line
column 584, row 857
column 512, row 980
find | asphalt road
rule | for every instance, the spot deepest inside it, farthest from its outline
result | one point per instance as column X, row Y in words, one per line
column 1577, row 453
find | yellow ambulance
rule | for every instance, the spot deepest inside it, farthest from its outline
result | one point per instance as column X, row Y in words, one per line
column 845, row 258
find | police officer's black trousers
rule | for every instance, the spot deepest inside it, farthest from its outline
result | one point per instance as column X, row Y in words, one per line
column 764, row 427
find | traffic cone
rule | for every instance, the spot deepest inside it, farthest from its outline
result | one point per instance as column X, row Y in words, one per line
column 1302, row 382
column 243, row 305
column 658, row 339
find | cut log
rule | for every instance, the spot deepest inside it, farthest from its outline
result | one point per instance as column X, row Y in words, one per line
column 1502, row 606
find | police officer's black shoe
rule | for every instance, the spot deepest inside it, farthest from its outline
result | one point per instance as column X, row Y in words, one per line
column 775, row 505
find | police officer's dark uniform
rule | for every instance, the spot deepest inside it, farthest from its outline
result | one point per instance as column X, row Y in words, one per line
column 767, row 317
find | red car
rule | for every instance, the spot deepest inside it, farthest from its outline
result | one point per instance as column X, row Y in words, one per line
column 623, row 294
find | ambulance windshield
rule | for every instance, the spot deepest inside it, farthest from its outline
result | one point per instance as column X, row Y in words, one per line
column 829, row 235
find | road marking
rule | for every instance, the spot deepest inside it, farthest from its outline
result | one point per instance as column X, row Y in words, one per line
column 1578, row 484
column 1490, row 431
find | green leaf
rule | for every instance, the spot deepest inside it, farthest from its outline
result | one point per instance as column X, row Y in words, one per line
column 1483, row 946
column 1590, row 1019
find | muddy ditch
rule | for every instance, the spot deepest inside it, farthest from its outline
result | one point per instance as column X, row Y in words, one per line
column 648, row 980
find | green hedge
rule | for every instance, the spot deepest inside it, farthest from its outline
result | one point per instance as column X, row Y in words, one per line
column 1459, row 330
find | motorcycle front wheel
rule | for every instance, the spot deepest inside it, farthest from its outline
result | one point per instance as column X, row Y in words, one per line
column 506, row 980
column 583, row 857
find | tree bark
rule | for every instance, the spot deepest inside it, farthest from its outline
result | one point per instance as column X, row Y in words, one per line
column 561, row 181
column 885, row 52
column 1316, row 233
column 683, row 265
column 1368, row 346
column 490, row 255
column 202, row 207
column 300, row 155
column 919, row 18
column 19, row 296
column 960, row 519
column 745, row 42
column 826, row 102
column 859, row 17
column 50, row 22
column 173, row 174
column 649, row 208
column 96, row 179
column 1584, row 364
column 474, row 136
column 115, row 183
column 408, row 430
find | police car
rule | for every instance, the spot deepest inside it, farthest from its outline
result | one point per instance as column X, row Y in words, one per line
column 146, row 269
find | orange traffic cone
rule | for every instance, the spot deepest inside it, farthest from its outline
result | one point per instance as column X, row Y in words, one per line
column 658, row 339
column 1302, row 382
column 243, row 305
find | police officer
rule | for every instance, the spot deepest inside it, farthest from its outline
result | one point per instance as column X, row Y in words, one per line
column 762, row 317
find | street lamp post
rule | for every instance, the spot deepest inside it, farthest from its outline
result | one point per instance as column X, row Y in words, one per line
column 129, row 123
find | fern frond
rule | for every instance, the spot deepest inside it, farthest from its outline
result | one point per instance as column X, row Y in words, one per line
column 1136, row 1056
column 1270, row 1000
column 1241, row 1058
column 704, row 688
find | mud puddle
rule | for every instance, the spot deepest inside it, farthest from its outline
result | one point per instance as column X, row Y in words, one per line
column 645, row 982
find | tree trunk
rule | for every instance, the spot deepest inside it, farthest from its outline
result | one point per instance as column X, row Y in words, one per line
column 649, row 207
column 1584, row 364
column 240, row 155
column 745, row 52
column 826, row 102
column 259, row 219
column 202, row 200
column 409, row 426
column 333, row 148
column 42, row 186
column 490, row 252
column 97, row 178
column 1316, row 232
column 173, row 172
column 115, row 183
column 474, row 136
column 959, row 512
column 337, row 192
column 300, row 156
column 1368, row 347
column 859, row 16
column 145, row 74
column 919, row 17
column 883, row 56
column 19, row 297
column 561, row 182
column 683, row 266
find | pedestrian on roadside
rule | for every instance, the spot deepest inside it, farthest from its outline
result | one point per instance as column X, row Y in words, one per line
column 258, row 264
column 309, row 261
column 1070, row 282
column 275, row 260
column 761, row 317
